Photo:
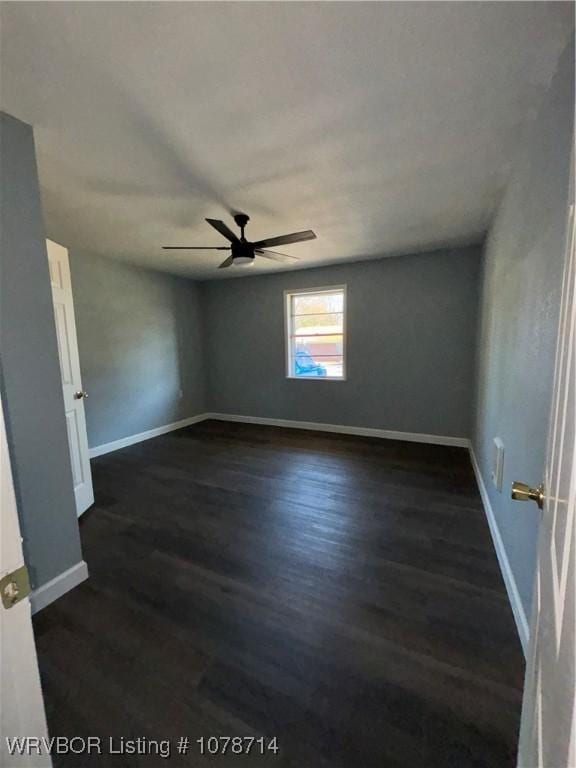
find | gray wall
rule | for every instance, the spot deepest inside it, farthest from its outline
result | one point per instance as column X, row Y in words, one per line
column 31, row 384
column 521, row 288
column 140, row 342
column 411, row 345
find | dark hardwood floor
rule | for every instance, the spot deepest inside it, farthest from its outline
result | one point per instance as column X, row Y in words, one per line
column 339, row 593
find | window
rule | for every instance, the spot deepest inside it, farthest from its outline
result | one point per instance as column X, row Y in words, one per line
column 315, row 333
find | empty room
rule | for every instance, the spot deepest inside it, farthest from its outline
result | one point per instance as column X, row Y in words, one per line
column 287, row 370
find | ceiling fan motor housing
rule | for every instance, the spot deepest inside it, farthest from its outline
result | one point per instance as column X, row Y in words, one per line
column 242, row 252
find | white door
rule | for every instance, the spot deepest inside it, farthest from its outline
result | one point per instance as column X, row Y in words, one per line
column 21, row 703
column 74, row 395
column 548, row 730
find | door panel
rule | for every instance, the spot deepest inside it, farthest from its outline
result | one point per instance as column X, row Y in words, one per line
column 21, row 704
column 71, row 378
column 74, row 442
column 63, row 337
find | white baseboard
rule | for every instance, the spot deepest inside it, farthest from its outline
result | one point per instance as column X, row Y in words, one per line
column 124, row 442
column 412, row 437
column 507, row 574
column 58, row 586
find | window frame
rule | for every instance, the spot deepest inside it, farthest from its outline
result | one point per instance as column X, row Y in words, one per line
column 287, row 331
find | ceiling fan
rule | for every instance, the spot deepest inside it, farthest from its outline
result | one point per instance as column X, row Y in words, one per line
column 243, row 251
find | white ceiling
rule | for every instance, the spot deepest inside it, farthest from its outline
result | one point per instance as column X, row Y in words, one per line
column 385, row 127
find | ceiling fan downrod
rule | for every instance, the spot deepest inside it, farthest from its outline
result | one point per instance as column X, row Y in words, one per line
column 241, row 220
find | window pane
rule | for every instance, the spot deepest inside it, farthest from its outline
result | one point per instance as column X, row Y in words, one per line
column 318, row 346
column 304, row 325
column 309, row 303
column 318, row 366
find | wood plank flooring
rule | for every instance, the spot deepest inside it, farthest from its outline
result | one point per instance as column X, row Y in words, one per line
column 339, row 593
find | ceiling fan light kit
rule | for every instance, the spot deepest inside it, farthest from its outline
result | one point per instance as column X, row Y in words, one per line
column 243, row 252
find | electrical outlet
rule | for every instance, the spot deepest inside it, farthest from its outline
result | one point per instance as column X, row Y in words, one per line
column 497, row 463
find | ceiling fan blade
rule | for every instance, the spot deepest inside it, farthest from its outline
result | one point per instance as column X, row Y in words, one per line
column 227, row 262
column 224, row 229
column 275, row 256
column 195, row 248
column 295, row 237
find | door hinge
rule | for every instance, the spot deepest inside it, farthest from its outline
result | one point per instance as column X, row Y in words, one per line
column 15, row 586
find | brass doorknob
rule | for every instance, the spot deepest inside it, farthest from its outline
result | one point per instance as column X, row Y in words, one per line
column 79, row 395
column 523, row 492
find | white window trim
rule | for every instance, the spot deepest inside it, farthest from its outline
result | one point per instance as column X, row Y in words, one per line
column 322, row 289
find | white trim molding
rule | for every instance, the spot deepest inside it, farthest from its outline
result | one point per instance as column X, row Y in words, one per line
column 124, row 442
column 387, row 434
column 412, row 437
column 507, row 574
column 58, row 586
